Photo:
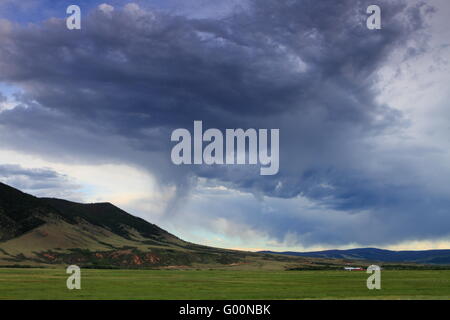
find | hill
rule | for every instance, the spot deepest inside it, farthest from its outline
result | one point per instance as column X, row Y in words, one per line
column 49, row 232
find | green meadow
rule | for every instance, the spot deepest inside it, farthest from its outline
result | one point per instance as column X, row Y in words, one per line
column 212, row 284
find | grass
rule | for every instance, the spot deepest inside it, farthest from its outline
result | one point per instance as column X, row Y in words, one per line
column 222, row 284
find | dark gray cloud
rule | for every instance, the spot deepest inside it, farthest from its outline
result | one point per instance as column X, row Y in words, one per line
column 115, row 90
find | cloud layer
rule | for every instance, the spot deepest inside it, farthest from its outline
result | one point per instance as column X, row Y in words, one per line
column 39, row 181
column 114, row 91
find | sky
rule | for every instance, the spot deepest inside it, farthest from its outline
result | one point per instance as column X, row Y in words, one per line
column 364, row 116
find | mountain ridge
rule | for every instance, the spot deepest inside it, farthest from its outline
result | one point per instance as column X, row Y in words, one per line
column 53, row 232
column 50, row 230
column 436, row 256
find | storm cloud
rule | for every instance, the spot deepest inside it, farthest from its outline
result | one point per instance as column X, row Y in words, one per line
column 114, row 91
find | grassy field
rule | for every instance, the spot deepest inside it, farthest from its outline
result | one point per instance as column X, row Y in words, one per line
column 222, row 284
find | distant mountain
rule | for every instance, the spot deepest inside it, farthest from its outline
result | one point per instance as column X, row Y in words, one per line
column 374, row 254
